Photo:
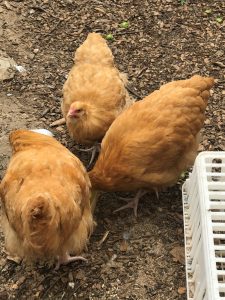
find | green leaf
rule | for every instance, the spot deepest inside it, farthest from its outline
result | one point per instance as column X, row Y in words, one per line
column 109, row 37
column 182, row 2
column 208, row 11
column 219, row 20
column 125, row 24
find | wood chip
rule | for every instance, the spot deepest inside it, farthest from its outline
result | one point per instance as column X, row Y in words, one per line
column 181, row 290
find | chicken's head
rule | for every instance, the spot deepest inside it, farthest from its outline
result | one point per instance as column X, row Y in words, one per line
column 77, row 110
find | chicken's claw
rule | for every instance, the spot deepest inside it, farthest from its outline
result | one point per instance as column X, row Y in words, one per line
column 66, row 259
column 15, row 259
column 132, row 202
column 94, row 149
column 84, row 150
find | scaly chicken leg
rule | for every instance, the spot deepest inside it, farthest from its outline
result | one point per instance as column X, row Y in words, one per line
column 66, row 259
column 132, row 202
column 94, row 150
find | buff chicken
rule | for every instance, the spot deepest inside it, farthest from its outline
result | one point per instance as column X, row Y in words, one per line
column 94, row 93
column 45, row 197
column 156, row 139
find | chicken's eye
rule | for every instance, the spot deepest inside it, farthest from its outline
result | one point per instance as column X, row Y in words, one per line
column 79, row 110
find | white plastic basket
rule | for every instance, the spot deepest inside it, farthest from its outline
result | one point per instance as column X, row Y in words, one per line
column 204, row 227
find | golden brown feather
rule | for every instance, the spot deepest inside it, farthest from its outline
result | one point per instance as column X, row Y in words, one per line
column 151, row 143
column 45, row 196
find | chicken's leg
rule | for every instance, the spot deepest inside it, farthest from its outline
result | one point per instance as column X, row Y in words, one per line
column 94, row 149
column 132, row 202
column 66, row 259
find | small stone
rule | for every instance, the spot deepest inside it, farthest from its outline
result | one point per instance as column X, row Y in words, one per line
column 31, row 56
column 71, row 285
column 14, row 286
column 59, row 128
column 206, row 61
column 36, row 50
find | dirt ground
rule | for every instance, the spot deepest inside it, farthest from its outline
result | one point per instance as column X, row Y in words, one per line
column 166, row 40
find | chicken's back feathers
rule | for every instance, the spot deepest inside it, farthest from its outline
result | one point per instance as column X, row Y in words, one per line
column 199, row 83
column 151, row 143
column 45, row 197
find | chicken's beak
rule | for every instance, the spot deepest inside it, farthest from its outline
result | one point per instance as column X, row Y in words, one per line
column 72, row 113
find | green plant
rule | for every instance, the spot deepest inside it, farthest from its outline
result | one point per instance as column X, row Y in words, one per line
column 219, row 19
column 109, row 37
column 182, row 2
column 208, row 11
column 125, row 24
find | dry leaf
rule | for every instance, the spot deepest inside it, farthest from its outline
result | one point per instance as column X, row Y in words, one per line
column 124, row 246
column 178, row 254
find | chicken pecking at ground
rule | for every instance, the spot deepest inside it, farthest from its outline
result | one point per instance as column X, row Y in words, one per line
column 94, row 93
column 45, row 197
column 151, row 143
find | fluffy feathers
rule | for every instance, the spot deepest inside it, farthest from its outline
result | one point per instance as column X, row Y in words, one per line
column 94, row 93
column 45, row 198
column 151, row 143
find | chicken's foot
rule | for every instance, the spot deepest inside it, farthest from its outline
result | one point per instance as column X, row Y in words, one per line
column 132, row 202
column 58, row 122
column 94, row 150
column 66, row 259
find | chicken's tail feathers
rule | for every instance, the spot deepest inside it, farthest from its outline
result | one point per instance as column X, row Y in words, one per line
column 94, row 50
column 40, row 221
column 207, row 84
column 196, row 82
column 202, row 84
column 95, row 37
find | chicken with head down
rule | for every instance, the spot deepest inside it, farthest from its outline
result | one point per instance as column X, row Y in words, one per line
column 94, row 93
column 151, row 143
column 45, row 197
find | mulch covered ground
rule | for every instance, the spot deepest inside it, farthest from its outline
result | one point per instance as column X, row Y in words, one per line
column 165, row 40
